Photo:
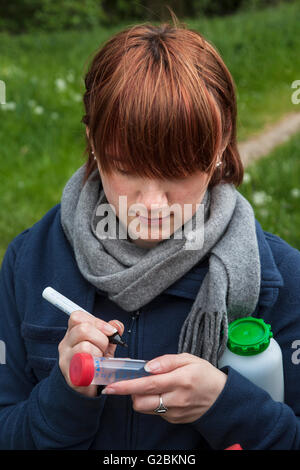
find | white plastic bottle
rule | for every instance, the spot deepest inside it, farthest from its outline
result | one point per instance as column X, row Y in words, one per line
column 253, row 352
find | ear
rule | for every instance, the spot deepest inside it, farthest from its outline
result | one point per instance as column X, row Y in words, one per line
column 88, row 135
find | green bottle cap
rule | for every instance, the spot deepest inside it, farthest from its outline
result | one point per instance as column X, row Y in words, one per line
column 248, row 336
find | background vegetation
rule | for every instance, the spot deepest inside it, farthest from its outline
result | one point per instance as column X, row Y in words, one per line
column 19, row 16
column 42, row 139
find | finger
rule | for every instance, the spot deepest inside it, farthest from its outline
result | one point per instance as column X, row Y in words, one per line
column 148, row 403
column 144, row 385
column 87, row 332
column 169, row 362
column 111, row 348
column 86, row 347
column 78, row 316
column 164, row 378
column 117, row 324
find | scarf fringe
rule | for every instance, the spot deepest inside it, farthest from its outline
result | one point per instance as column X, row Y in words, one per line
column 205, row 335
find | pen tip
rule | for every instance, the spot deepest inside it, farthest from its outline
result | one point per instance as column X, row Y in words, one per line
column 116, row 339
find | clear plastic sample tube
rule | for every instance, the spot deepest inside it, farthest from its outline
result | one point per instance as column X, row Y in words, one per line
column 86, row 369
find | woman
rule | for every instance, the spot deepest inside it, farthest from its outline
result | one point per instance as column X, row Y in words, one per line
column 161, row 143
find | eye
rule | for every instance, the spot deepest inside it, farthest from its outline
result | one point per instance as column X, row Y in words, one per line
column 123, row 172
column 178, row 178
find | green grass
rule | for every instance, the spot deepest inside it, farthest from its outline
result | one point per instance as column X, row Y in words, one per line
column 272, row 186
column 261, row 51
column 40, row 151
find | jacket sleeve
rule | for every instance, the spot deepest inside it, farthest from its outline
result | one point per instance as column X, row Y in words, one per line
column 46, row 415
column 246, row 414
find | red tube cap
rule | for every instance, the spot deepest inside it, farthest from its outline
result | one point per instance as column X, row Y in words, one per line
column 81, row 369
column 234, row 447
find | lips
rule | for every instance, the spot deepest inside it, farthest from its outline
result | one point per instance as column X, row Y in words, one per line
column 149, row 220
column 152, row 222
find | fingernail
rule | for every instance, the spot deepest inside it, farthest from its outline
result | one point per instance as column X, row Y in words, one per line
column 152, row 366
column 109, row 329
column 107, row 391
column 116, row 321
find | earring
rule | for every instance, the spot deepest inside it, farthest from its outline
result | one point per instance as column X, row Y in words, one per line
column 219, row 163
column 93, row 153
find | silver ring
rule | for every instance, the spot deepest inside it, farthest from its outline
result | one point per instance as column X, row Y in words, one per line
column 161, row 408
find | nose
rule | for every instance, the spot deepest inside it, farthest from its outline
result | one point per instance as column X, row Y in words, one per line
column 152, row 196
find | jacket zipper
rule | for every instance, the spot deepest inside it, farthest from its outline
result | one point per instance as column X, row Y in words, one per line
column 132, row 348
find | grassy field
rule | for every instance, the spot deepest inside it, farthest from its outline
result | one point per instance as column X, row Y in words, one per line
column 42, row 139
column 272, row 186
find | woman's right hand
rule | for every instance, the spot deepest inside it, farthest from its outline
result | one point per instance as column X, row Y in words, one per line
column 89, row 334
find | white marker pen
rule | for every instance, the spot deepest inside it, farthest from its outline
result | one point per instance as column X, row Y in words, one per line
column 67, row 306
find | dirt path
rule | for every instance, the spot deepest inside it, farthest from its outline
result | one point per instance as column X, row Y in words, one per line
column 273, row 135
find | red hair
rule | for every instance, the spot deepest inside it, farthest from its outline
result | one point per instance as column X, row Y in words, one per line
column 161, row 99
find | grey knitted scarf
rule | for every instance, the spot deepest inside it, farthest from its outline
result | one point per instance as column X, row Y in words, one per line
column 133, row 276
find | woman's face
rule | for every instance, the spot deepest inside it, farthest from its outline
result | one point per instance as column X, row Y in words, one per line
column 143, row 195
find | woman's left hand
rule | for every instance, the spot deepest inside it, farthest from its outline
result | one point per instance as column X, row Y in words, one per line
column 188, row 384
